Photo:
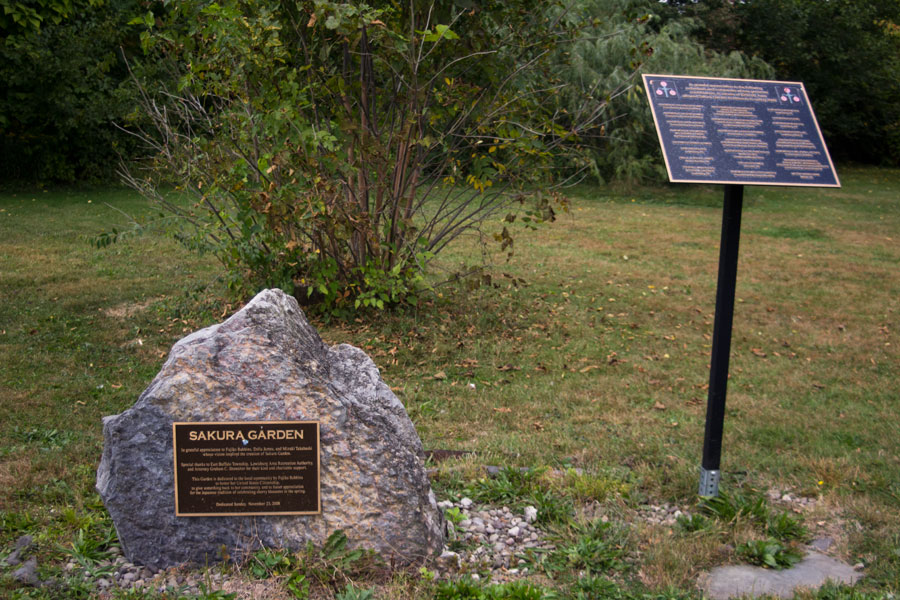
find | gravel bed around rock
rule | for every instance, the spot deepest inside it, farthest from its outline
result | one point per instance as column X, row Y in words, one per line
column 490, row 540
column 666, row 514
column 485, row 541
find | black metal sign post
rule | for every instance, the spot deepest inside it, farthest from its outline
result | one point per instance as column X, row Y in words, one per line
column 721, row 341
column 734, row 132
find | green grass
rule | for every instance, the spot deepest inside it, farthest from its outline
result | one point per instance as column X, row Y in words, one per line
column 598, row 361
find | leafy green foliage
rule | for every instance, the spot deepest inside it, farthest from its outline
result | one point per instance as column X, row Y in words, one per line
column 42, row 438
column 728, row 506
column 592, row 587
column 846, row 53
column 769, row 553
column 731, row 508
column 62, row 90
column 630, row 36
column 853, row 43
column 334, row 148
column 693, row 523
column 14, row 523
column 461, row 589
column 594, row 547
column 511, row 486
column 518, row 487
column 209, row 593
column 454, row 515
column 18, row 17
column 833, row 591
column 334, row 561
column 268, row 562
column 786, row 528
column 90, row 546
column 351, row 592
column 587, row 487
column 335, row 554
column 552, row 507
column 297, row 585
column 466, row 589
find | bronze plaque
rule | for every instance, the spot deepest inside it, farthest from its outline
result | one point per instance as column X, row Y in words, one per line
column 246, row 468
column 738, row 131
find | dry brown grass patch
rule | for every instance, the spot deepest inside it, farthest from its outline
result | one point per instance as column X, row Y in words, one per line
column 14, row 469
column 671, row 560
column 129, row 309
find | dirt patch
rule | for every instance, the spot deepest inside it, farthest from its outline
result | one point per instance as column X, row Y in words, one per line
column 129, row 309
column 249, row 589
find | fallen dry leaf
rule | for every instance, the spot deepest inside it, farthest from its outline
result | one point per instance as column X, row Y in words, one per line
column 538, row 426
column 758, row 352
column 659, row 406
column 440, row 375
column 588, row 368
column 502, row 409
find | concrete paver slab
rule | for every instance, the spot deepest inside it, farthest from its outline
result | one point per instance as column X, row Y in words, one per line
column 723, row 583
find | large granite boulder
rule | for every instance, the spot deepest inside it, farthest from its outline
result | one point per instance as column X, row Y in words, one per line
column 267, row 363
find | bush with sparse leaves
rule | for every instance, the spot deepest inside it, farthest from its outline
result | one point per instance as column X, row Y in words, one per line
column 332, row 149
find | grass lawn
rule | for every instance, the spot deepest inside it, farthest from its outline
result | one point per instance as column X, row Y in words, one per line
column 590, row 350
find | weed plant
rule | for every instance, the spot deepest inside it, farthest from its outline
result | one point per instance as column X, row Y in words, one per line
column 733, row 509
column 769, row 553
column 466, row 589
column 786, row 528
column 833, row 591
column 590, row 548
column 351, row 592
column 729, row 506
column 590, row 487
column 511, row 486
column 693, row 523
column 592, row 587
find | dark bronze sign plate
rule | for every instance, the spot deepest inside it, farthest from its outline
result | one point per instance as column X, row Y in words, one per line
column 738, row 131
column 246, row 468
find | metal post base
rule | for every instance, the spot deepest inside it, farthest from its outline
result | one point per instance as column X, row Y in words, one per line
column 709, row 482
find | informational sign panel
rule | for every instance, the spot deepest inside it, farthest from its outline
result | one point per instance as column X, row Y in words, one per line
column 246, row 468
column 738, row 131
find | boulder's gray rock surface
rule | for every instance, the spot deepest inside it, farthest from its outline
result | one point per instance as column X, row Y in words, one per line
column 268, row 363
column 812, row 572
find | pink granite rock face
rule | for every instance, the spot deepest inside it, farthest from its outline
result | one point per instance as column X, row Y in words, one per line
column 268, row 363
